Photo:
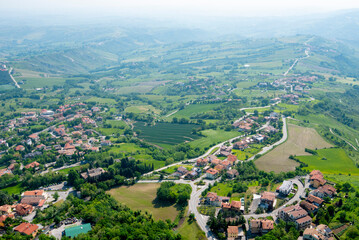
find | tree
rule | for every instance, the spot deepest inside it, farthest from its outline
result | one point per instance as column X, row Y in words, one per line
column 56, row 196
column 73, row 177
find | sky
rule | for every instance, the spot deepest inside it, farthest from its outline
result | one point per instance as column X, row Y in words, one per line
column 174, row 8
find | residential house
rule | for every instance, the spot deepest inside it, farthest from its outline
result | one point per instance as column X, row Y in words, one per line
column 201, row 162
column 315, row 200
column 267, row 200
column 267, row 225
column 235, row 233
column 182, row 170
column 261, row 226
column 34, row 137
column 32, row 165
column 219, row 168
column 303, row 223
column 27, row 229
column 232, row 173
column 5, row 209
column 212, row 173
column 255, row 226
column 225, row 150
column 41, row 194
column 284, row 213
column 226, row 164
column 232, row 158
column 241, row 145
column 20, row 148
column 211, row 158
column 325, row 191
column 213, row 199
column 312, row 234
column 309, row 207
column 34, row 201
column 23, row 209
column 316, row 179
column 326, row 231
column 106, row 143
column 286, row 187
column 216, row 161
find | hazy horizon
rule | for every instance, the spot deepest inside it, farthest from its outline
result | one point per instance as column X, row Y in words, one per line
column 170, row 10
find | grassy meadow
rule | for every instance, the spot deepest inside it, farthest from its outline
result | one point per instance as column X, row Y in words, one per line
column 142, row 197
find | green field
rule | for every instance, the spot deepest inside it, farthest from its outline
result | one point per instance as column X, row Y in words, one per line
column 331, row 161
column 166, row 133
column 213, row 137
column 142, row 197
column 67, row 170
column 143, row 109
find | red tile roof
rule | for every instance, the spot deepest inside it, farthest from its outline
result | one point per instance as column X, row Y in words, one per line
column 26, row 228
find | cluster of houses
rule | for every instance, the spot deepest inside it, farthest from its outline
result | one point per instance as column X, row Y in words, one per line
column 295, row 83
column 183, row 172
column 214, row 166
column 30, row 200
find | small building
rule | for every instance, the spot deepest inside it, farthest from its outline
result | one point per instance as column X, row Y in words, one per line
column 32, row 165
column 261, row 226
column 232, row 158
column 27, row 229
column 286, row 187
column 74, row 231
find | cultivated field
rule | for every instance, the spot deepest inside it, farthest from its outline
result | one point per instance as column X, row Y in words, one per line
column 213, row 137
column 142, row 197
column 299, row 138
column 166, row 133
column 331, row 161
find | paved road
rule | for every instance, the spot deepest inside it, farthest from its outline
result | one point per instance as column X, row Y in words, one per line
column 13, row 79
column 306, row 51
column 282, row 140
column 296, row 198
column 60, row 168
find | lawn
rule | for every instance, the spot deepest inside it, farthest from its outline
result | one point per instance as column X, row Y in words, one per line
column 67, row 170
column 213, row 137
column 222, row 189
column 17, row 189
column 142, row 197
column 190, row 231
column 166, row 133
column 299, row 138
column 331, row 161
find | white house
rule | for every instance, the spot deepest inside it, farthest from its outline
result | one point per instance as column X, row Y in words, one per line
column 286, row 187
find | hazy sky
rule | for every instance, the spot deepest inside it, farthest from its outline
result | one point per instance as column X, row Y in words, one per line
column 174, row 8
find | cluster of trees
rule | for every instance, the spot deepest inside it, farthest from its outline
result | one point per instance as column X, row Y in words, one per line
column 109, row 220
column 219, row 224
column 282, row 231
column 174, row 193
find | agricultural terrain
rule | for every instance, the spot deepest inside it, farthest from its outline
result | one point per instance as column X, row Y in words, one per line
column 299, row 138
